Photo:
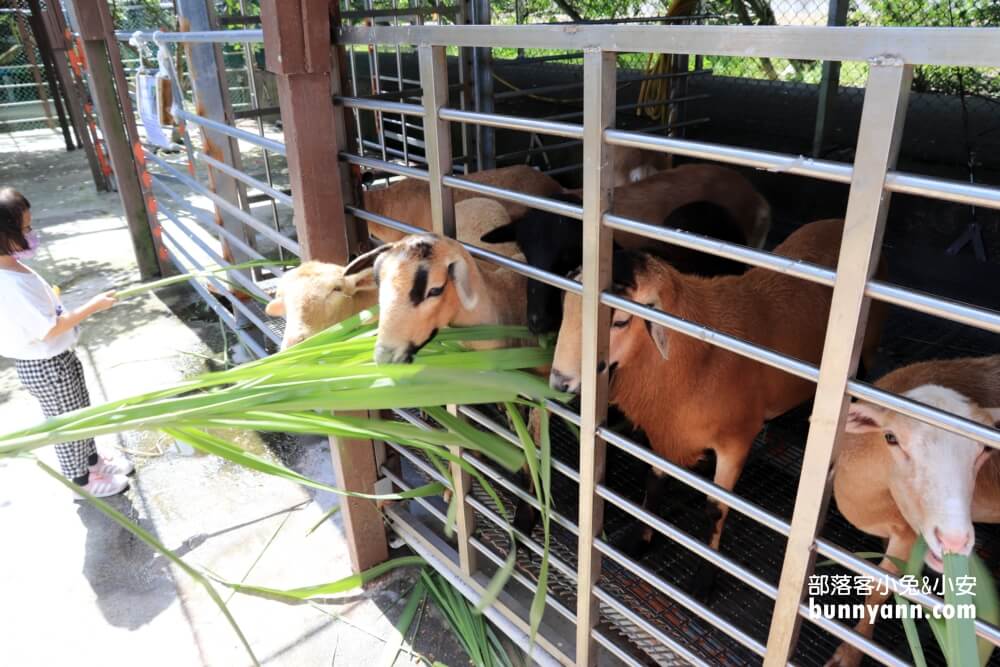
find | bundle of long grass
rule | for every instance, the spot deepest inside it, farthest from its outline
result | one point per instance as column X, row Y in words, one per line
column 295, row 391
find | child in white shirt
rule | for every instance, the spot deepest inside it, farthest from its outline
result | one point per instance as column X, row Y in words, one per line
column 40, row 335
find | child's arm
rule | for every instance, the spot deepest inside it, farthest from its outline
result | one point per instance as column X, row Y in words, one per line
column 67, row 321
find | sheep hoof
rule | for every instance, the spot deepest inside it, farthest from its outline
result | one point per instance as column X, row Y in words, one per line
column 702, row 582
column 846, row 656
column 634, row 544
column 525, row 517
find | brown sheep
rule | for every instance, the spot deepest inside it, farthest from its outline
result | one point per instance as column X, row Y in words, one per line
column 409, row 200
column 689, row 396
column 896, row 477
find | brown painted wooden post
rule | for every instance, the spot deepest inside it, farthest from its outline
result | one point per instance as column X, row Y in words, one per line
column 115, row 111
column 297, row 47
column 54, row 24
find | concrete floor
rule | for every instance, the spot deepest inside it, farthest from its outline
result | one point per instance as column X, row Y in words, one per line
column 79, row 589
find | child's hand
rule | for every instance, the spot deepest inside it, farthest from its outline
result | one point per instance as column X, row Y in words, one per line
column 102, row 302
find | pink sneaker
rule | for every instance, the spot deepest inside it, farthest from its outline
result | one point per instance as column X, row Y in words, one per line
column 112, row 463
column 102, row 486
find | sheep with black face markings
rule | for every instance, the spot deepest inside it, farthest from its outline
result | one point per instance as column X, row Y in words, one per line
column 317, row 295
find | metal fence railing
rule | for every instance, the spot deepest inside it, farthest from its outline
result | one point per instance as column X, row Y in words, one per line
column 871, row 176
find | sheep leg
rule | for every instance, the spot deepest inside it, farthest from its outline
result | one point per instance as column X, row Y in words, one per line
column 639, row 538
column 728, row 466
column 526, row 516
column 899, row 547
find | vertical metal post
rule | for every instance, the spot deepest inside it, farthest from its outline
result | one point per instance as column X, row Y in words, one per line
column 467, row 92
column 830, row 81
column 114, row 110
column 437, row 140
column 211, row 98
column 483, row 69
column 297, row 47
column 882, row 117
column 599, row 76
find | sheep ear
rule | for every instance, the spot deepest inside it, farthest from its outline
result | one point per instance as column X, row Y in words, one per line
column 276, row 307
column 864, row 418
column 660, row 337
column 502, row 234
column 459, row 271
column 363, row 281
column 366, row 260
column 995, row 416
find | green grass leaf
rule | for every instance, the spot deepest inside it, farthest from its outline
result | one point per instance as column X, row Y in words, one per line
column 155, row 544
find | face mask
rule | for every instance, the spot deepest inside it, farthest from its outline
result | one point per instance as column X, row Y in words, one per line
column 32, row 239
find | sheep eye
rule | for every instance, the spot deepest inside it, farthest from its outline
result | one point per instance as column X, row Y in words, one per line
column 622, row 324
column 891, row 438
column 435, row 291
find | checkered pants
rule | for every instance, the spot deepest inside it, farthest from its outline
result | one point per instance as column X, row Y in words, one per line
column 59, row 386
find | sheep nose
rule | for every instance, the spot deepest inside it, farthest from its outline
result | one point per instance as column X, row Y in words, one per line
column 957, row 542
column 383, row 355
column 558, row 381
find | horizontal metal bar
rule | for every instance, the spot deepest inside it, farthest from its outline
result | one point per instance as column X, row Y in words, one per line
column 925, row 303
column 562, row 411
column 543, row 203
column 509, row 622
column 237, row 275
column 947, row 190
column 512, row 123
column 207, row 221
column 973, row 47
column 235, row 211
column 768, row 160
column 785, row 265
column 527, row 270
column 392, row 151
column 442, row 10
column 647, row 627
column 239, row 20
column 850, row 636
column 423, row 502
column 614, row 649
column 973, row 316
column 679, row 596
column 691, row 544
column 380, row 105
column 838, row 172
column 522, row 539
column 383, row 165
column 551, row 601
column 234, row 132
column 211, row 300
column 635, row 105
column 519, row 493
column 505, row 433
column 233, row 298
column 245, row 178
column 196, row 36
column 925, row 413
column 733, row 344
column 851, row 562
column 755, row 512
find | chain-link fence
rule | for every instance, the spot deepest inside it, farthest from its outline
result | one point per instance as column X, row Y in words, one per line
column 24, row 92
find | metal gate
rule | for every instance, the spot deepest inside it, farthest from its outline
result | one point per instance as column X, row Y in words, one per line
column 599, row 612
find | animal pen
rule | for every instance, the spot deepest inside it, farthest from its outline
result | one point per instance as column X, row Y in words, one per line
column 409, row 91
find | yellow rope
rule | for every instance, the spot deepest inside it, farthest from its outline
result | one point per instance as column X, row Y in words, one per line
column 658, row 90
